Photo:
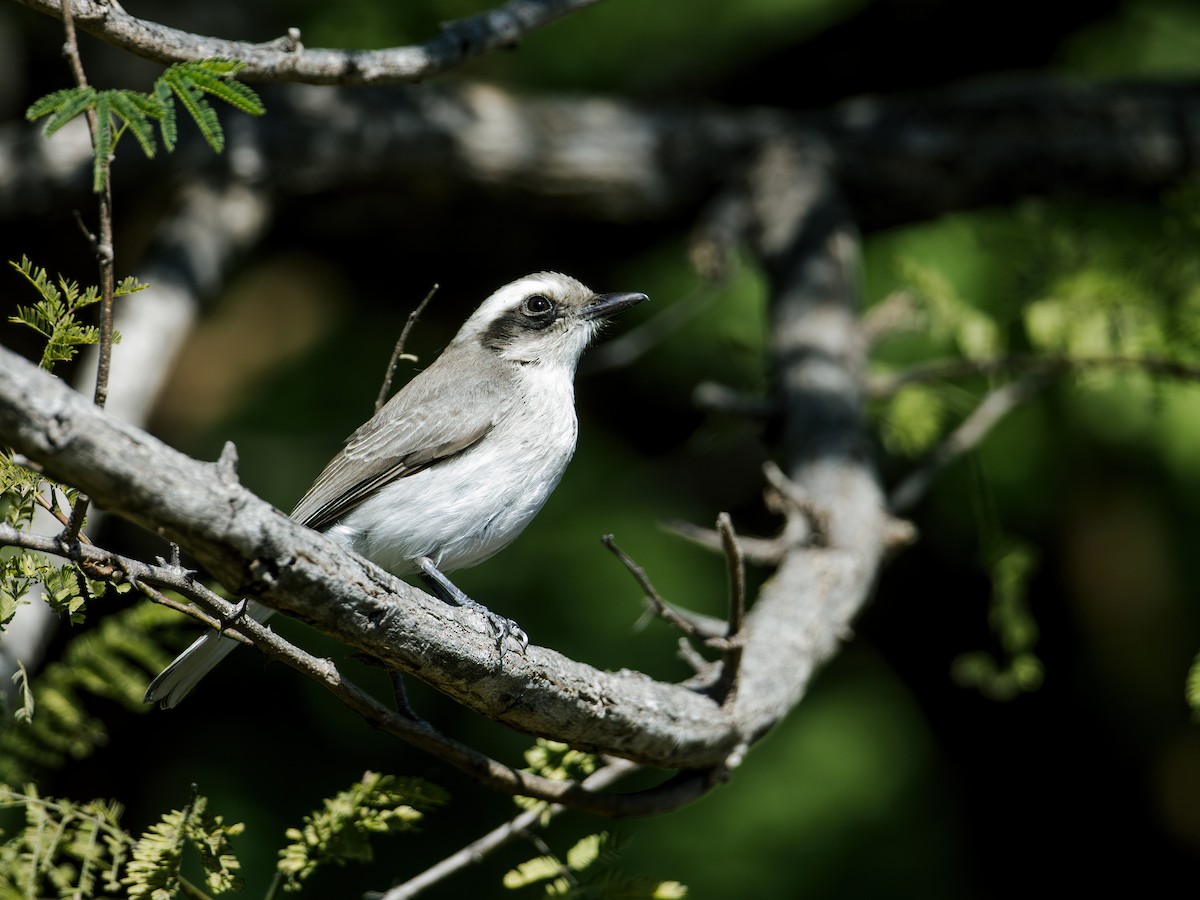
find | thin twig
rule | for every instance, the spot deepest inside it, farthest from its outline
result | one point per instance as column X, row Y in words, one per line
column 968, row 435
column 519, row 825
column 736, row 566
column 895, row 312
column 671, row 794
column 188, row 609
column 103, row 248
column 1026, row 364
column 704, row 628
column 643, row 338
column 398, row 351
column 716, row 397
column 805, row 524
column 758, row 550
column 55, row 510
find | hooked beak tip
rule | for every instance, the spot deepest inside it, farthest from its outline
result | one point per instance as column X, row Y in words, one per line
column 602, row 306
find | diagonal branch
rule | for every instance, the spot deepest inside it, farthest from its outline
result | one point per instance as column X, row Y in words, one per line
column 966, row 437
column 287, row 59
column 1028, row 364
column 100, row 563
column 254, row 549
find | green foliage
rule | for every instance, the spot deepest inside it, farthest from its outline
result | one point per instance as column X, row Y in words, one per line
column 54, row 316
column 66, row 588
column 913, row 420
column 115, row 661
column 153, row 872
column 973, row 332
column 120, row 110
column 1192, row 692
column 63, row 848
column 340, row 832
column 589, row 873
column 1017, row 670
column 559, row 762
column 189, row 82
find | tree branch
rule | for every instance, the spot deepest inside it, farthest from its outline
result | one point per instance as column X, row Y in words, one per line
column 514, row 828
column 796, row 624
column 1028, row 364
column 896, row 159
column 287, row 59
column 966, row 437
column 254, row 549
column 809, row 248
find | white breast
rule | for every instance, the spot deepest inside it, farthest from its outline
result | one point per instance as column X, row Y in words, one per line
column 461, row 511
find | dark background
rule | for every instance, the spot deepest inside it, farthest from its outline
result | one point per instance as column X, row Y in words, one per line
column 890, row 780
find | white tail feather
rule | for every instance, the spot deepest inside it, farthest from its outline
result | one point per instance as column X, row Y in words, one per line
column 177, row 680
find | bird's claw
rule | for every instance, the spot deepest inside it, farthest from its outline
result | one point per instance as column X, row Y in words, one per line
column 506, row 628
column 451, row 593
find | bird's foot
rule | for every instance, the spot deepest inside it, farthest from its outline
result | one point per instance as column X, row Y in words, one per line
column 451, row 593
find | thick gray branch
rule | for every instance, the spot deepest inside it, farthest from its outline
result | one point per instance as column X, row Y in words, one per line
column 253, row 548
column 895, row 158
column 287, row 59
column 810, row 249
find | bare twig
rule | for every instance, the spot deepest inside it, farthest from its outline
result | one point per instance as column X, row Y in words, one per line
column 762, row 551
column 641, row 339
column 103, row 247
column 736, row 565
column 721, row 398
column 287, row 59
column 516, row 827
column 968, row 435
column 703, row 628
column 55, row 510
column 1027, row 364
column 895, row 312
column 103, row 564
column 398, row 351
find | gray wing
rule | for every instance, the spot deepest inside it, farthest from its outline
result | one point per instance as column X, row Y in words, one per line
column 418, row 427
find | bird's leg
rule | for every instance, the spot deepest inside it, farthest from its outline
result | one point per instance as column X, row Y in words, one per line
column 448, row 591
column 401, row 694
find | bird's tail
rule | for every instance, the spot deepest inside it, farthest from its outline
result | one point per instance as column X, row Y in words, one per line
column 177, row 680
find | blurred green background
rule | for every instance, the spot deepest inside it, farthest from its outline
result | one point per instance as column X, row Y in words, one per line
column 893, row 778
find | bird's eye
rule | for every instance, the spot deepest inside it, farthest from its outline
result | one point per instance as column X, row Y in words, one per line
column 537, row 305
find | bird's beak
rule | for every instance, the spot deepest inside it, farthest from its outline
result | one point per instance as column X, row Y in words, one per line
column 603, row 306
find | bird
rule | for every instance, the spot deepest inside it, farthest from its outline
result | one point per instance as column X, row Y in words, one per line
column 454, row 466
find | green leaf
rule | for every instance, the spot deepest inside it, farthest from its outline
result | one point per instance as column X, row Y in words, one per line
column 913, row 420
column 211, row 76
column 63, row 846
column 190, row 81
column 166, row 125
column 55, row 316
column 340, row 832
column 114, row 660
column 24, row 712
column 129, row 285
column 62, row 106
column 1193, row 688
column 136, row 110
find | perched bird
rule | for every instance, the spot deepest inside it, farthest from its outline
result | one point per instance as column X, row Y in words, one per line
column 460, row 460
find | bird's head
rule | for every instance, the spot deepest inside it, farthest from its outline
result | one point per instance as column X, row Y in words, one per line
column 545, row 318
